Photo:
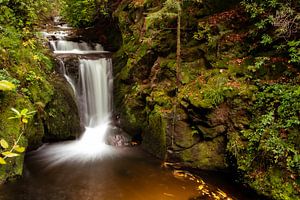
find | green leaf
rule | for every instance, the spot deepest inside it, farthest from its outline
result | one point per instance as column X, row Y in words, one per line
column 31, row 112
column 10, row 154
column 4, row 144
column 6, row 85
column 24, row 111
column 13, row 118
column 15, row 111
column 2, row 161
column 19, row 149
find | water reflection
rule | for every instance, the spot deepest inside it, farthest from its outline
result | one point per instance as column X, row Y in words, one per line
column 128, row 176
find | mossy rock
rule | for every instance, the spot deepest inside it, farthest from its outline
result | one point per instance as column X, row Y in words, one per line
column 12, row 170
column 206, row 155
column 132, row 116
column 211, row 132
column 61, row 117
column 276, row 184
column 155, row 136
column 190, row 71
column 41, row 91
column 183, row 136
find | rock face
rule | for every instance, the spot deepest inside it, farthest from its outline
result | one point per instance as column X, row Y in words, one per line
column 172, row 123
column 203, row 120
column 56, row 116
column 62, row 118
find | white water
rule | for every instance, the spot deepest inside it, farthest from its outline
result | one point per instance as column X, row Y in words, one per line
column 95, row 78
column 64, row 45
column 93, row 91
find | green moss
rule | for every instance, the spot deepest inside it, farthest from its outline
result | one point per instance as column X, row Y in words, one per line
column 60, row 115
column 132, row 114
column 207, row 95
column 275, row 183
column 136, row 54
column 41, row 91
column 10, row 131
column 208, row 155
column 160, row 98
column 154, row 138
column 190, row 71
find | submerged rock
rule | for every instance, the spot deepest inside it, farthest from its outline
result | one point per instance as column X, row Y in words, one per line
column 117, row 137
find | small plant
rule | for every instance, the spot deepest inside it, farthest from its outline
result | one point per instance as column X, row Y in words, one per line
column 6, row 85
column 10, row 151
column 276, row 25
column 274, row 129
column 294, row 51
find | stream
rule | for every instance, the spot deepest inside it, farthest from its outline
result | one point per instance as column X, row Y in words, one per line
column 127, row 174
column 89, row 168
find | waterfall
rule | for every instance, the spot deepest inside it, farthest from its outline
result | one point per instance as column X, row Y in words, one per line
column 64, row 45
column 95, row 78
column 93, row 89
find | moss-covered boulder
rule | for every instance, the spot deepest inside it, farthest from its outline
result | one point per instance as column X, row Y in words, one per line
column 155, row 135
column 61, row 117
column 207, row 155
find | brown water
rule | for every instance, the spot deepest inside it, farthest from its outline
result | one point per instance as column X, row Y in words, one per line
column 129, row 174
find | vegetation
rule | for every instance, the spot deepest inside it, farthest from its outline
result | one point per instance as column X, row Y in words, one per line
column 84, row 13
column 231, row 68
column 239, row 81
column 15, row 149
column 277, row 26
column 24, row 74
column 274, row 129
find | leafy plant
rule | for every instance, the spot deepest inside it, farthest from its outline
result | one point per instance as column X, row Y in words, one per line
column 273, row 132
column 22, row 115
column 6, row 85
column 276, row 25
column 10, row 151
column 5, row 75
column 83, row 13
column 294, row 51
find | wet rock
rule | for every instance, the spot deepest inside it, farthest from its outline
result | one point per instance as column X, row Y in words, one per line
column 219, row 116
column 183, row 135
column 117, row 137
column 155, row 136
column 61, row 117
column 207, row 155
column 211, row 132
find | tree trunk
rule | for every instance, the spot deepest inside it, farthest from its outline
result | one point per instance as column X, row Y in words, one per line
column 178, row 50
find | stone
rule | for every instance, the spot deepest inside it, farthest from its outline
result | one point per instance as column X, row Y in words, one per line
column 155, row 136
column 183, row 135
column 61, row 117
column 211, row 132
column 206, row 155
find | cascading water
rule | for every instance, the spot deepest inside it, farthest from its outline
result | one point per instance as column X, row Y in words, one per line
column 93, row 91
column 95, row 79
column 80, row 47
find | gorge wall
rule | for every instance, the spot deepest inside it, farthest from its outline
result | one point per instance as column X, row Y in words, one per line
column 227, row 112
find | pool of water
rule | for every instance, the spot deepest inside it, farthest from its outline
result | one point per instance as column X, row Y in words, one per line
column 127, row 174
